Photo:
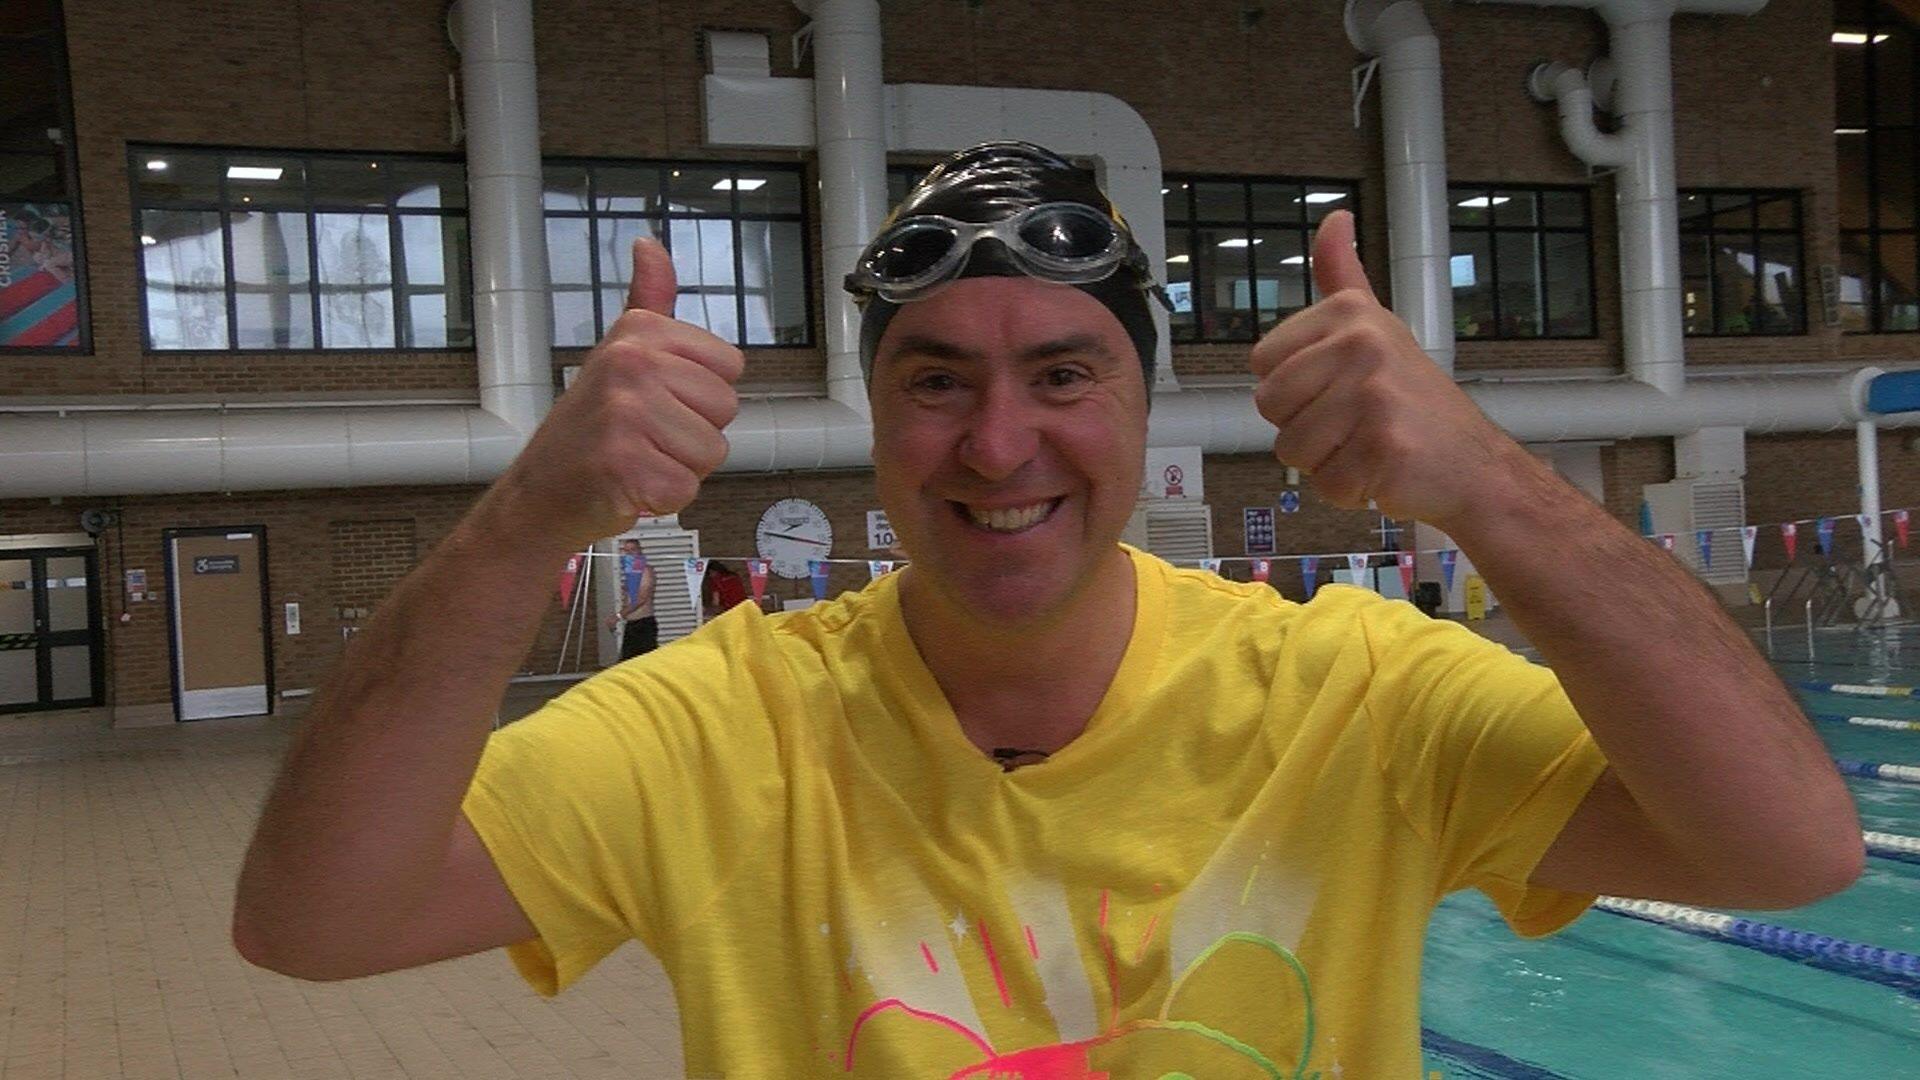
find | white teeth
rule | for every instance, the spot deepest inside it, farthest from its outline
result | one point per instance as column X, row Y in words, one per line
column 1012, row 520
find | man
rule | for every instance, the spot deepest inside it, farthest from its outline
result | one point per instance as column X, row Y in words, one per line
column 639, row 629
column 1239, row 811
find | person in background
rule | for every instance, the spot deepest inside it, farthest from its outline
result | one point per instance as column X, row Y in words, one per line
column 721, row 588
column 640, row 630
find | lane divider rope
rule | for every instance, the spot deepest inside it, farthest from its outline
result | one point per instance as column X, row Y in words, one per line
column 1857, row 689
column 1882, row 722
column 1879, row 770
column 1871, row 963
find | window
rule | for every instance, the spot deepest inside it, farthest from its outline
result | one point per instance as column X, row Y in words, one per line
column 1740, row 262
column 43, row 296
column 266, row 250
column 1874, row 64
column 1238, row 250
column 1522, row 263
column 737, row 233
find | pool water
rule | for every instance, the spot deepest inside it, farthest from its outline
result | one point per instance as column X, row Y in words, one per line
column 1615, row 997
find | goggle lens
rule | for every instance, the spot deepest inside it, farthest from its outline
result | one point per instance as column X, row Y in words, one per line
column 911, row 252
column 1067, row 235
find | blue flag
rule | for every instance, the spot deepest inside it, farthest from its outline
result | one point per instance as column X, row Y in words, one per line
column 1447, row 557
column 818, row 571
column 1310, row 574
column 1704, row 537
column 1823, row 535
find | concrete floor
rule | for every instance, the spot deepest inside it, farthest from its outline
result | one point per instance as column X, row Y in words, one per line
column 118, row 851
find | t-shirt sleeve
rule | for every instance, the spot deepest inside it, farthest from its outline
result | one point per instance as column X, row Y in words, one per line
column 620, row 808
column 1484, row 753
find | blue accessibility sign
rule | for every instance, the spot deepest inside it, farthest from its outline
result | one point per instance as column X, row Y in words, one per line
column 1289, row 501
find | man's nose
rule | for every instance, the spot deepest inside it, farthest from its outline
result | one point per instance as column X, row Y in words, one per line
column 1002, row 434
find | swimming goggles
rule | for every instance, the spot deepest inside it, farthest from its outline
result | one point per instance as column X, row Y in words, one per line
column 1066, row 242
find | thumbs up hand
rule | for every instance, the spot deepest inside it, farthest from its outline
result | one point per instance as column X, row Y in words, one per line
column 1362, row 411
column 639, row 429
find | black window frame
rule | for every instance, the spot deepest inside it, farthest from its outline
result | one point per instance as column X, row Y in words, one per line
column 663, row 168
column 1458, row 190
column 1752, row 234
column 224, row 205
column 1879, row 19
column 1192, row 225
column 70, row 173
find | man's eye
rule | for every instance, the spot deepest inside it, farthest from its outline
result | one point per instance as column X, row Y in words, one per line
column 937, row 381
column 1065, row 376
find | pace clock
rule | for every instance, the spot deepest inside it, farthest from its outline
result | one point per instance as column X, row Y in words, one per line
column 791, row 533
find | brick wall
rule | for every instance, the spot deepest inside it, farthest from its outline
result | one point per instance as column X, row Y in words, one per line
column 1254, row 88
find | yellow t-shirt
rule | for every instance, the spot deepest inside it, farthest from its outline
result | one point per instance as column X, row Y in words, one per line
column 1228, row 874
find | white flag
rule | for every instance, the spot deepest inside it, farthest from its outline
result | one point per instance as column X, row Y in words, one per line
column 877, row 567
column 696, row 574
column 1747, row 535
column 1358, row 564
column 1211, row 566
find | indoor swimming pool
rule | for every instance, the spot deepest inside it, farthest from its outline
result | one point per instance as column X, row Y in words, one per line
column 1614, row 996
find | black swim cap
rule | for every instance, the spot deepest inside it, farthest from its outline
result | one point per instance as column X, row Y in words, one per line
column 993, row 181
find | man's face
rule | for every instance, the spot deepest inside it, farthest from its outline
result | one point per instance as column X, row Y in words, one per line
column 629, row 547
column 1009, row 432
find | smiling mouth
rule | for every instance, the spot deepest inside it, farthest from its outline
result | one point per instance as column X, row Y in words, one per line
column 1015, row 519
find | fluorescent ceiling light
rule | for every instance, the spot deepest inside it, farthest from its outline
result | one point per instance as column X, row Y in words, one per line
column 1235, row 242
column 747, row 183
column 1325, row 196
column 1177, row 258
column 1164, row 190
column 1294, row 260
column 147, row 241
column 156, row 165
column 1481, row 202
column 1849, row 131
column 254, row 172
column 1848, row 37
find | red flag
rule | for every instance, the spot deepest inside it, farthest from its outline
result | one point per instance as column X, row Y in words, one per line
column 1790, row 536
column 1261, row 568
column 1900, row 526
column 757, row 575
column 1406, row 573
column 568, row 577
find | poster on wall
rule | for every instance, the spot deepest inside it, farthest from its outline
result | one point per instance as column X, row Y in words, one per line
column 1173, row 472
column 39, row 298
column 1259, row 526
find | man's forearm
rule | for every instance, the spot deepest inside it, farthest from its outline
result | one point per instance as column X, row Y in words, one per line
column 357, row 824
column 1692, row 719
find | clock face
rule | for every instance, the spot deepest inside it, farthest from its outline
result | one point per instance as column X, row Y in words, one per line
column 792, row 532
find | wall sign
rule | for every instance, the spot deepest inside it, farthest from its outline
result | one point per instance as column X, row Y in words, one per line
column 879, row 533
column 1173, row 472
column 1259, row 526
column 216, row 564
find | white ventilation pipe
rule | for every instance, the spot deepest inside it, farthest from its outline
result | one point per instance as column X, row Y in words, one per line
column 850, row 133
column 1641, row 73
column 512, row 308
column 1414, row 146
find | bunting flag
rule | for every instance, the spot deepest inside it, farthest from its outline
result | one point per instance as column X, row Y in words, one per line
column 1790, row 536
column 1261, row 569
column 1448, row 556
column 1357, row 564
column 1823, row 535
column 817, row 570
column 876, row 568
column 1666, row 541
column 1704, row 537
column 1405, row 559
column 696, row 574
column 1310, row 573
column 568, row 577
column 757, row 570
column 1211, row 566
column 1866, row 523
column 1900, row 526
column 1748, row 534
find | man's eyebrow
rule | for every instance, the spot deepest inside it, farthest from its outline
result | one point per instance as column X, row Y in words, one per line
column 932, row 348
column 940, row 349
column 1071, row 345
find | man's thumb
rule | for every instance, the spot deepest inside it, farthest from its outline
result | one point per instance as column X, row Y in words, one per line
column 1336, row 263
column 653, row 285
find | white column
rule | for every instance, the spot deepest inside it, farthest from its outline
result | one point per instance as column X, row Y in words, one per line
column 1866, row 436
column 849, row 107
column 512, row 310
